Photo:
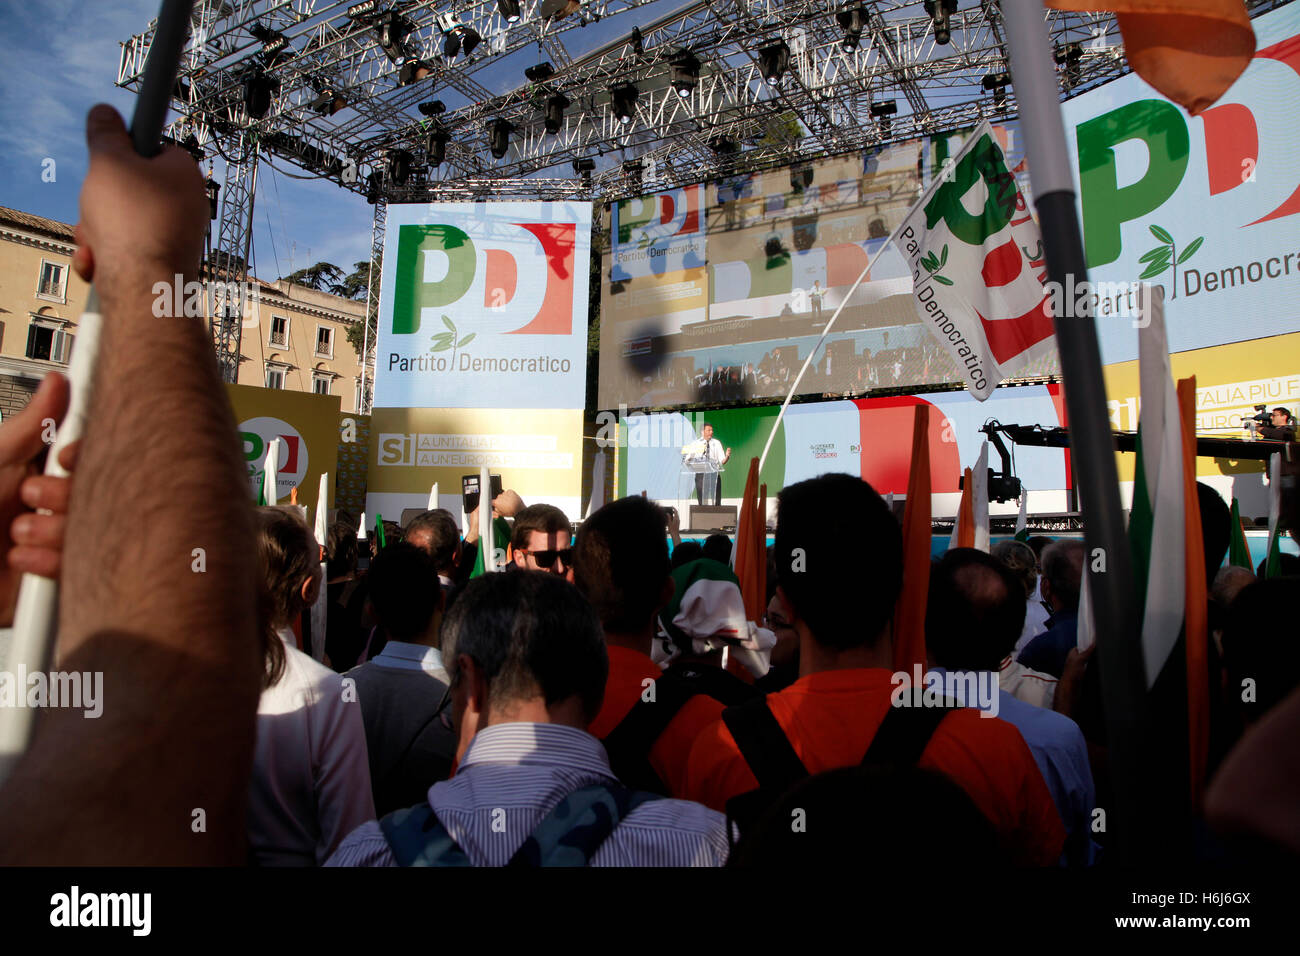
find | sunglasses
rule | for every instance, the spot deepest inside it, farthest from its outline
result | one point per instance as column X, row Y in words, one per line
column 546, row 559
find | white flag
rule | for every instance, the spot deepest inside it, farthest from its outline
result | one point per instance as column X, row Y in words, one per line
column 977, row 277
column 597, row 484
column 433, row 497
column 980, row 499
column 270, row 468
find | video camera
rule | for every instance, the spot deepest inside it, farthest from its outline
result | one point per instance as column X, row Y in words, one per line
column 1262, row 416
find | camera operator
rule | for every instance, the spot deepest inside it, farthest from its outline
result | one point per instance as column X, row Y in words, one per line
column 1282, row 427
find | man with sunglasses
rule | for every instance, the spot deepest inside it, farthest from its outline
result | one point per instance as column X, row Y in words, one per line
column 542, row 541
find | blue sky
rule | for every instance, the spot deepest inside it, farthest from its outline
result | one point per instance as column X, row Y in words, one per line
column 60, row 57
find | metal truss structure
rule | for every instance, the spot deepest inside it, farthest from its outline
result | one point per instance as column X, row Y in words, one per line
column 414, row 100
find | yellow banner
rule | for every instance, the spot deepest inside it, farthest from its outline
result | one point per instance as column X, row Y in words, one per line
column 308, row 426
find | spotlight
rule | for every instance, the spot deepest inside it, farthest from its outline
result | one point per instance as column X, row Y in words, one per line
column 686, row 73
column 997, row 82
column 555, row 107
column 436, row 146
column 392, row 30
column 432, row 107
column 273, row 43
column 624, row 97
column 450, row 46
column 584, row 168
column 852, row 19
column 882, row 111
column 1070, row 57
column 499, row 131
column 361, row 11
column 413, row 71
column 374, row 187
column 259, row 90
column 723, row 145
column 509, row 10
column 632, row 170
column 212, row 187
column 773, row 60
column 638, row 45
column 399, row 166
column 328, row 102
column 469, row 40
column 940, row 11
column 540, row 73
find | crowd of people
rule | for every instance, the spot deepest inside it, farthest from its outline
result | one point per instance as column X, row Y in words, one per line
column 601, row 700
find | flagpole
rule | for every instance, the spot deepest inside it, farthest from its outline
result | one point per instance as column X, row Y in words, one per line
column 1092, row 450
column 794, row 387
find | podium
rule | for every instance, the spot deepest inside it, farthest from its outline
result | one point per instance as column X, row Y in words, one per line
column 692, row 466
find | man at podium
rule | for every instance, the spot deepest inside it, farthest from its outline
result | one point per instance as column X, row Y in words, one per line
column 706, row 448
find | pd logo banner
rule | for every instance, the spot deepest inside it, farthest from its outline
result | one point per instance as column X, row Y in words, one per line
column 484, row 306
column 257, row 434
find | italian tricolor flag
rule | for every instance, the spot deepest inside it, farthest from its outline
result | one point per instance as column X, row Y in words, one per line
column 1165, row 527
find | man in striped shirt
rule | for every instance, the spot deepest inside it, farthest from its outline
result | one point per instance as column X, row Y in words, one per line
column 528, row 665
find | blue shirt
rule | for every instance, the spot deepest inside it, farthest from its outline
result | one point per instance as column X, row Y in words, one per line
column 514, row 774
column 1048, row 651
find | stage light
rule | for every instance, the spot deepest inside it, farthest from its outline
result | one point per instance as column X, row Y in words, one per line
column 374, row 187
column 882, row 111
column 773, row 60
column 584, row 168
column 432, row 107
column 540, row 72
column 509, row 10
column 259, row 90
column 273, row 43
column 413, row 71
column 638, row 45
column 399, row 166
column 1071, row 57
column 499, row 131
column 469, row 40
column 450, row 45
column 328, row 102
column 723, row 145
column 361, row 11
column 624, row 97
column 555, row 107
column 852, row 19
column 997, row 83
column 940, row 11
column 392, row 30
column 686, row 74
column 436, row 147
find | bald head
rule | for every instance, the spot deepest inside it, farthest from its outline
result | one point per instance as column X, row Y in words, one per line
column 1229, row 582
column 975, row 612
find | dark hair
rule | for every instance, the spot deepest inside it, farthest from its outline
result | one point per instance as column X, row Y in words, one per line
column 544, row 518
column 975, row 611
column 340, row 550
column 444, row 537
column 1038, row 542
column 1283, row 410
column 1259, row 643
column 620, row 563
column 847, row 575
column 1020, row 558
column 686, row 552
column 530, row 633
column 717, row 547
column 867, row 812
column 1216, row 528
column 404, row 590
column 287, row 553
column 1063, row 568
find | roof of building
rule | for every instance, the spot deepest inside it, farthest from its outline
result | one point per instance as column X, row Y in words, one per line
column 25, row 220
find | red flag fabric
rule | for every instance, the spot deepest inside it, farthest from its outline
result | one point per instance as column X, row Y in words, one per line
column 751, row 558
column 1189, row 50
column 1195, row 622
column 909, row 613
column 966, row 514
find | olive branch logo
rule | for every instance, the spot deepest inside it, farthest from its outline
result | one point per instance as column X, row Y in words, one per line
column 1164, row 256
column 934, row 263
column 447, row 340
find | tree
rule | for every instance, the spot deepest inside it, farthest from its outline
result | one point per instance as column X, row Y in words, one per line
column 355, row 284
column 323, row 277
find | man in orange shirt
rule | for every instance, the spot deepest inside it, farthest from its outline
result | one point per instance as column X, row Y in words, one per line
column 621, row 565
column 839, row 582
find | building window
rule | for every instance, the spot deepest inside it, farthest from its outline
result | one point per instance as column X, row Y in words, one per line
column 280, row 331
column 51, row 281
column 275, row 378
column 49, row 343
column 320, row 383
column 324, row 341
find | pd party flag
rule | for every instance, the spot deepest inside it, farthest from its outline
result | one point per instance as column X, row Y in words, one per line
column 977, row 277
column 1238, row 550
column 1190, row 50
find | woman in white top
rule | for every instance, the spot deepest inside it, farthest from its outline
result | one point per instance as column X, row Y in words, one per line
column 311, row 776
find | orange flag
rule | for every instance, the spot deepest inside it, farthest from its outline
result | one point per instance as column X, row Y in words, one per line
column 1189, row 50
column 965, row 527
column 909, row 613
column 1195, row 624
column 751, row 558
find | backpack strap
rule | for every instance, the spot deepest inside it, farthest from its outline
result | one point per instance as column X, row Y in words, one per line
column 417, row 839
column 629, row 744
column 904, row 734
column 571, row 833
column 764, row 745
